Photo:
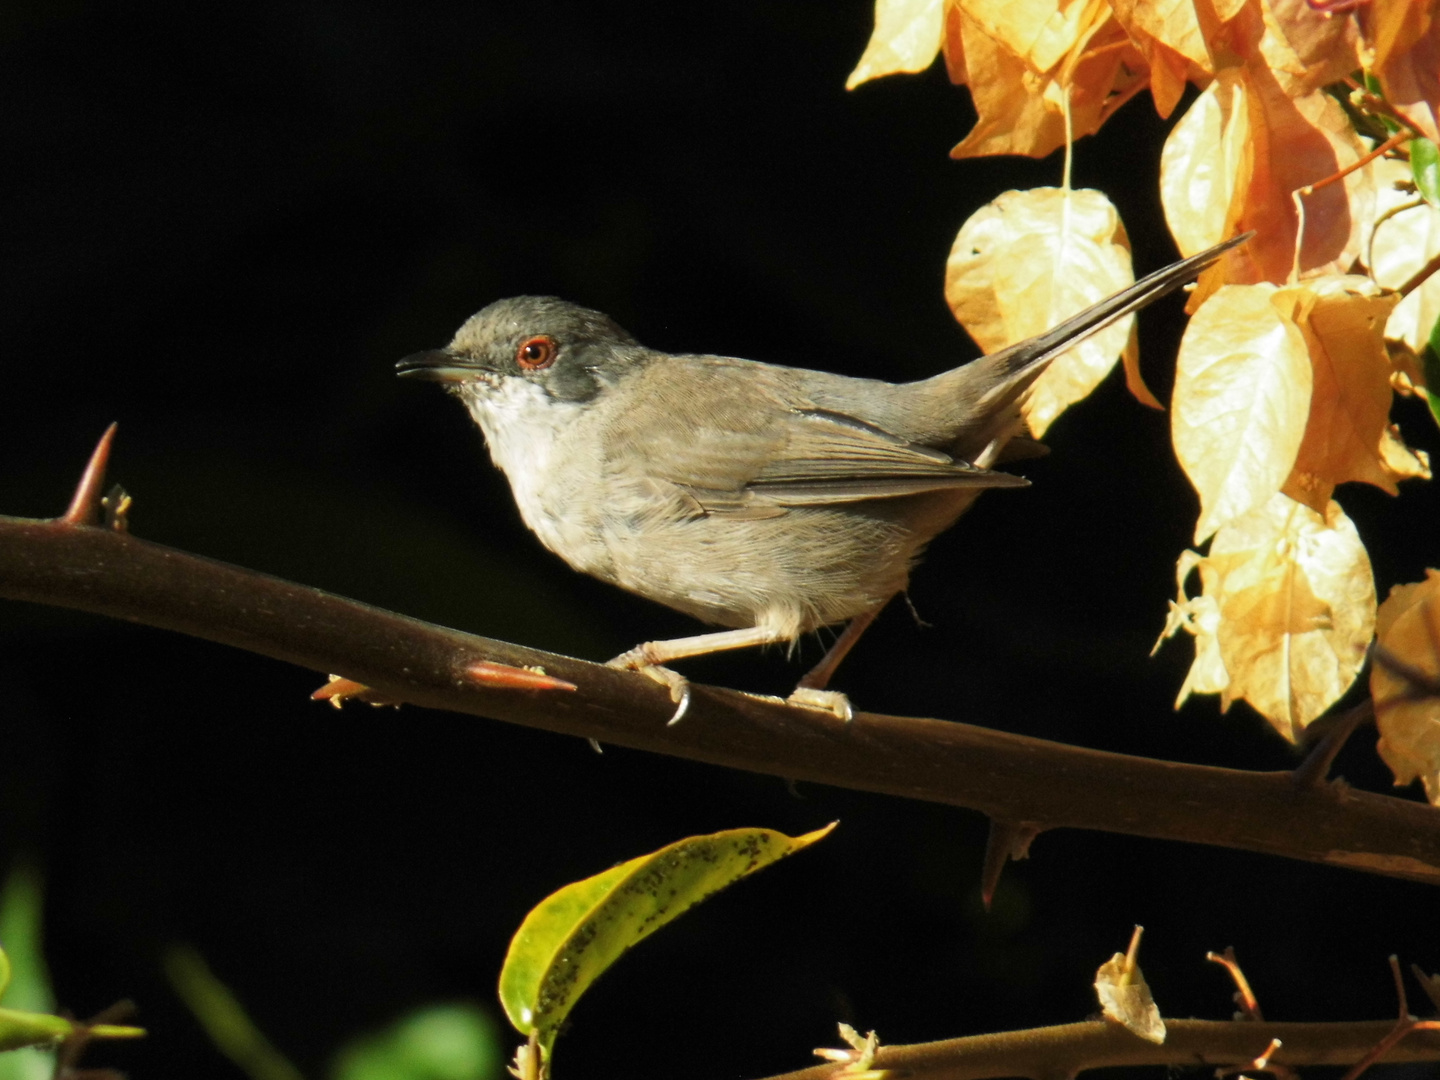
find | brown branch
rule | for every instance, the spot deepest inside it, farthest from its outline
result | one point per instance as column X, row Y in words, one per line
column 1007, row 777
column 1063, row 1050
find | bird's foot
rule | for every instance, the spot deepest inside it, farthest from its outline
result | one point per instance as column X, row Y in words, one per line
column 638, row 660
column 831, row 701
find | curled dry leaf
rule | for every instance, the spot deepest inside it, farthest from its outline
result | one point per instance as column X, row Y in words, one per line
column 1293, row 612
column 1404, row 237
column 1242, row 394
column 1030, row 259
column 1251, row 141
column 1125, row 996
column 1021, row 62
column 1408, row 627
column 906, row 38
column 1198, row 616
column 1348, row 434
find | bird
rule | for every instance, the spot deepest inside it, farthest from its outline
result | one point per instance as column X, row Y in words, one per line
column 765, row 499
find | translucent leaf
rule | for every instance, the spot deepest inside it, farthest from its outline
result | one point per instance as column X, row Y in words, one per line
column 1347, row 434
column 906, row 38
column 1198, row 616
column 1405, row 37
column 1405, row 236
column 1408, row 628
column 1297, row 610
column 1242, row 395
column 1425, row 168
column 1281, row 145
column 1022, row 61
column 574, row 934
column 1027, row 261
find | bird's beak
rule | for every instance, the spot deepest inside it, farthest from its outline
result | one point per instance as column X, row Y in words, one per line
column 437, row 365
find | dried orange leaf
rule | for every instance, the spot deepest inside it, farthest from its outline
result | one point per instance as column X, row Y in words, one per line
column 1348, row 430
column 1030, row 259
column 1281, row 144
column 906, row 38
column 1408, row 627
column 1125, row 996
column 1023, row 60
column 1242, row 394
column 1405, row 236
column 1305, row 47
column 1405, row 38
column 1297, row 610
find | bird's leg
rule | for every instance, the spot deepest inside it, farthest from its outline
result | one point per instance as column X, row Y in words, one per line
column 650, row 658
column 810, row 691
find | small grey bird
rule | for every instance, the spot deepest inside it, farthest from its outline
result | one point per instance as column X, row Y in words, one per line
column 771, row 500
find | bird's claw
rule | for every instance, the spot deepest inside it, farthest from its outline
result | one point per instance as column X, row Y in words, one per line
column 831, row 701
column 677, row 684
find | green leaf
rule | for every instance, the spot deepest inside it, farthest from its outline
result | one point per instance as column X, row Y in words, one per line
column 1430, row 368
column 574, row 934
column 1425, row 165
column 440, row 1042
column 18, row 1028
column 224, row 1018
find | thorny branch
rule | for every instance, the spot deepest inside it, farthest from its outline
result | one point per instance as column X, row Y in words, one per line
column 1011, row 778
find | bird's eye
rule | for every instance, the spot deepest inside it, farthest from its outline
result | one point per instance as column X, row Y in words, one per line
column 536, row 352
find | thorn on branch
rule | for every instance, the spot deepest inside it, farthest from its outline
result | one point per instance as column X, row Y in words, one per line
column 1007, row 840
column 85, row 503
column 505, row 677
column 1429, row 983
column 1328, row 742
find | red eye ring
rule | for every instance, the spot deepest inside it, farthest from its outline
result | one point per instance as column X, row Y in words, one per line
column 536, row 353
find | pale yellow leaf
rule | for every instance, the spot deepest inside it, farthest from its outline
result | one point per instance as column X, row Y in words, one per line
column 1404, row 237
column 1198, row 616
column 1297, row 610
column 1348, row 430
column 1027, row 261
column 1242, row 394
column 1201, row 162
column 1284, row 145
column 1125, row 996
column 1409, row 723
column 906, row 38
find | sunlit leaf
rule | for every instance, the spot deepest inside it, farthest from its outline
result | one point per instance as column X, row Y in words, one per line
column 1405, row 38
column 1408, row 628
column 1242, row 395
column 1198, row 616
column 1027, row 261
column 1297, row 610
column 1022, row 61
column 1347, row 434
column 1425, row 168
column 1281, row 145
column 1306, row 47
column 1405, row 236
column 576, row 933
column 906, row 38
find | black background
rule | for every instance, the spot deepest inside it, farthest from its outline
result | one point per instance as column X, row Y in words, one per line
column 222, row 225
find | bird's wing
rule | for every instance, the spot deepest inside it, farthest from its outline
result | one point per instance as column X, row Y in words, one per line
column 753, row 445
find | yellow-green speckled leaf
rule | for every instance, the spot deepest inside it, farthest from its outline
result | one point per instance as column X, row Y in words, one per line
column 576, row 933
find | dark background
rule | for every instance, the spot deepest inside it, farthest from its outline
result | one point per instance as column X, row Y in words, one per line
column 223, row 225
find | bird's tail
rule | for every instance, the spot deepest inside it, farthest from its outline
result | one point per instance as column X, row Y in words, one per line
column 999, row 378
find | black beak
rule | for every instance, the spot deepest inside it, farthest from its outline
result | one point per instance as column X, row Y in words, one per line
column 437, row 365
